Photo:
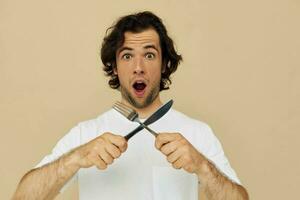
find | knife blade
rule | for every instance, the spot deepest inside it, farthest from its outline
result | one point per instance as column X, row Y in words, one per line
column 153, row 118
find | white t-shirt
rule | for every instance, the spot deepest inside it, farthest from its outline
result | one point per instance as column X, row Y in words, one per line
column 142, row 172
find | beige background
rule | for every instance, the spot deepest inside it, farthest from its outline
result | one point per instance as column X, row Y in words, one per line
column 240, row 75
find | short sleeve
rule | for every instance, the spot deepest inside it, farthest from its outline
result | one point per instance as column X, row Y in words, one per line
column 70, row 141
column 213, row 151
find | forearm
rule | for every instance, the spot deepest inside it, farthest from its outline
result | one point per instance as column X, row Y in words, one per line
column 46, row 182
column 217, row 186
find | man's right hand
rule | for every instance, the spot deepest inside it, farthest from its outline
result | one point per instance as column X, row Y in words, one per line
column 101, row 151
column 45, row 182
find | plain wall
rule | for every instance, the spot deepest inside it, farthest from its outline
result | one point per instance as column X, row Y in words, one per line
column 240, row 75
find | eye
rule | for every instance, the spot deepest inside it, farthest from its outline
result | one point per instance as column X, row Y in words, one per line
column 126, row 56
column 150, row 56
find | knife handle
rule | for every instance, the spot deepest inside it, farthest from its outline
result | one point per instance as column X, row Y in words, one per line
column 150, row 120
column 148, row 129
column 132, row 133
column 140, row 127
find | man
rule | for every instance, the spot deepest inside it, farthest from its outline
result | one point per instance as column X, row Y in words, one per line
column 139, row 57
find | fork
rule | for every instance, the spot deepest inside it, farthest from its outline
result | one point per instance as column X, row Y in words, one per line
column 131, row 114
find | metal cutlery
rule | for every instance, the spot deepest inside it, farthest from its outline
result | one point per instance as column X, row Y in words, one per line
column 132, row 115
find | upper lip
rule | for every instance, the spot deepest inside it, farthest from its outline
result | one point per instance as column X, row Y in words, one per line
column 139, row 81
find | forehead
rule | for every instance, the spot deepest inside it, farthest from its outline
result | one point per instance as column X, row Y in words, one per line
column 145, row 37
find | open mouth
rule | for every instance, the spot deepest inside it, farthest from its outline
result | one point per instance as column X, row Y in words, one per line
column 139, row 88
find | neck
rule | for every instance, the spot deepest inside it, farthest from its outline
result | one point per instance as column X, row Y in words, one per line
column 147, row 111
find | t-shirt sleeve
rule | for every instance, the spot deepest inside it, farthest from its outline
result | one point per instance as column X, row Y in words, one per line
column 70, row 141
column 212, row 149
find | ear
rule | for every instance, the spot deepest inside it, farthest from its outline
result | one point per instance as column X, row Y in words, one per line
column 163, row 69
column 115, row 71
column 164, row 66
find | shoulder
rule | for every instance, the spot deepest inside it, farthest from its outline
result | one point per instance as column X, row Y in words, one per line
column 199, row 133
column 97, row 122
column 78, row 135
column 184, row 120
column 86, row 130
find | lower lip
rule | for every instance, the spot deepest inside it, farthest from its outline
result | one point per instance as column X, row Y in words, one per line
column 140, row 93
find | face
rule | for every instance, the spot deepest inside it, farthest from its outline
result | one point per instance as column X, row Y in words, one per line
column 139, row 64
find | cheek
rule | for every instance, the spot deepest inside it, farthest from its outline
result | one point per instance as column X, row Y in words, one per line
column 155, row 70
column 156, row 75
column 123, row 76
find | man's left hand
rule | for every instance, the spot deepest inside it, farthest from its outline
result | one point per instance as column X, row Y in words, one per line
column 180, row 153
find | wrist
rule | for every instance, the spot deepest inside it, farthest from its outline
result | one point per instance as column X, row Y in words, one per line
column 204, row 171
column 68, row 165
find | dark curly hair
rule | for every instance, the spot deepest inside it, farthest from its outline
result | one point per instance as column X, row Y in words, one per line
column 137, row 23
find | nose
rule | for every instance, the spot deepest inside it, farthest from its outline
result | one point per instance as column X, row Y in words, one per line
column 139, row 66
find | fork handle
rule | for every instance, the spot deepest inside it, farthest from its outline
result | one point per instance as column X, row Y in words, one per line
column 148, row 129
column 142, row 125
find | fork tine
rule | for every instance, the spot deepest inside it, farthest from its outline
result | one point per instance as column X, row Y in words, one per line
column 131, row 113
column 128, row 112
column 121, row 110
column 125, row 107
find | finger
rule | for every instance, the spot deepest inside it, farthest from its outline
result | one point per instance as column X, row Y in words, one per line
column 169, row 148
column 106, row 157
column 118, row 141
column 114, row 151
column 164, row 138
column 178, row 163
column 188, row 168
column 173, row 157
column 97, row 161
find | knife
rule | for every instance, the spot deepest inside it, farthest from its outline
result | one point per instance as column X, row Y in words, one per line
column 153, row 118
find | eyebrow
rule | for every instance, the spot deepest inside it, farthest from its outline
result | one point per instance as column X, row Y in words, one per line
column 150, row 46
column 124, row 48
